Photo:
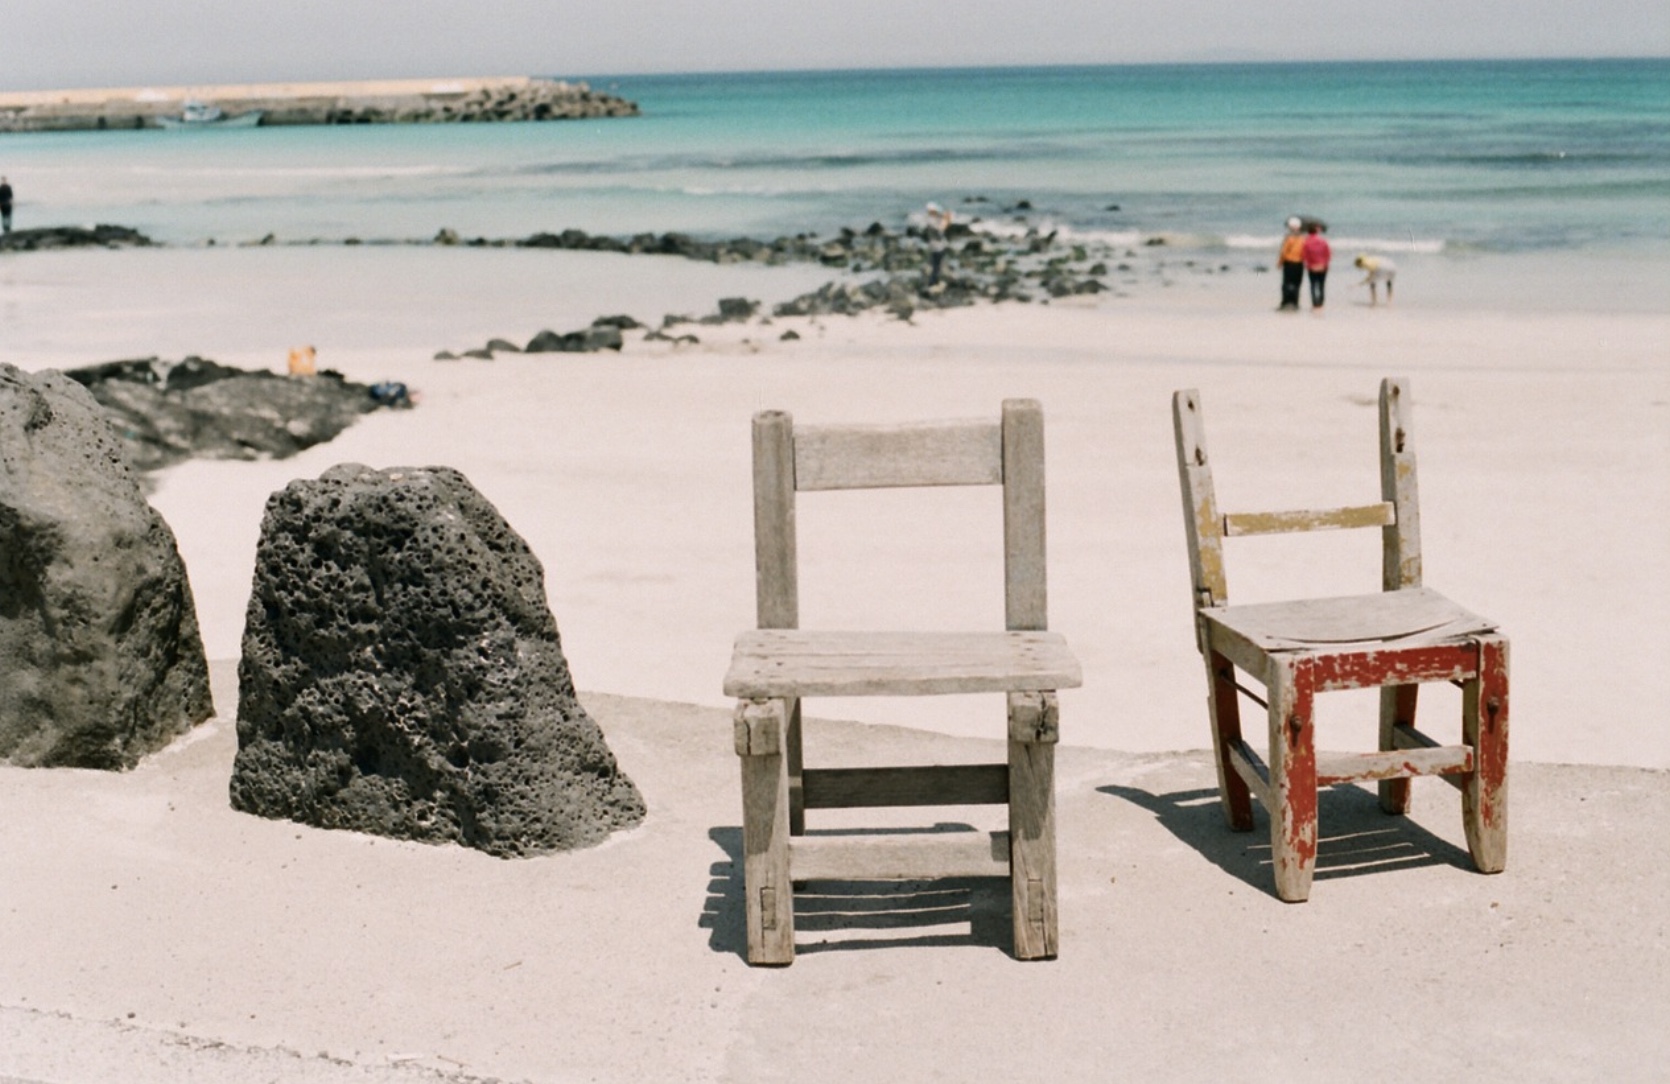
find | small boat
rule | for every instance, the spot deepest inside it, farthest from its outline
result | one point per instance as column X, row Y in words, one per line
column 206, row 115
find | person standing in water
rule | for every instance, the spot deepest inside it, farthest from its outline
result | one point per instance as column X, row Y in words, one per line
column 1291, row 263
column 5, row 206
column 1317, row 255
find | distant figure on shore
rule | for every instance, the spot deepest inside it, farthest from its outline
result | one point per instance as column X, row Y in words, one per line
column 5, row 206
column 939, row 223
column 1317, row 257
column 303, row 361
column 1379, row 269
column 1291, row 263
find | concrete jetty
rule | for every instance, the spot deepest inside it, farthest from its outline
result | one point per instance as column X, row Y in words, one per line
column 405, row 101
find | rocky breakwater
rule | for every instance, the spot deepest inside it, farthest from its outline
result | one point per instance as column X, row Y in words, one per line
column 408, row 101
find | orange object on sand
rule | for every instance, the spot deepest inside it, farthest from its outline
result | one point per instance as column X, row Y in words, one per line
column 302, row 361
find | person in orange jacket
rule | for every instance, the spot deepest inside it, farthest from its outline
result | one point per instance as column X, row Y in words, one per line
column 1291, row 264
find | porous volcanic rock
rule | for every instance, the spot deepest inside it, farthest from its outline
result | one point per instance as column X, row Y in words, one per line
column 167, row 411
column 100, row 657
column 402, row 674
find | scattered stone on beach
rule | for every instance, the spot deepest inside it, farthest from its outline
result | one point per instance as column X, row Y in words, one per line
column 587, row 341
column 100, row 657
column 166, row 412
column 52, row 237
column 402, row 674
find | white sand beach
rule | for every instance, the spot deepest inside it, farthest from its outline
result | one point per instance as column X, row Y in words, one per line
column 149, row 927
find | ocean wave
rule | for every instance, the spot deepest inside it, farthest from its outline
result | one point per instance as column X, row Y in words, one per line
column 309, row 172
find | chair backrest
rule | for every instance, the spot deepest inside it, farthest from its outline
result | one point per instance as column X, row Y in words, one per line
column 1397, row 514
column 1007, row 452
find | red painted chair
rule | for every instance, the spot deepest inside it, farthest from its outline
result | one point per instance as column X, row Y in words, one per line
column 1395, row 640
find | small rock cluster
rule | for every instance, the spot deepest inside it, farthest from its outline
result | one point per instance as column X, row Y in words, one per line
column 603, row 334
column 100, row 657
column 169, row 411
column 402, row 674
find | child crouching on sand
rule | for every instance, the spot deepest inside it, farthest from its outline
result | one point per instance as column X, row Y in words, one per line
column 1379, row 269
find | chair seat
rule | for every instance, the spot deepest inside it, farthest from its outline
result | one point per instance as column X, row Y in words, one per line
column 799, row 662
column 1413, row 617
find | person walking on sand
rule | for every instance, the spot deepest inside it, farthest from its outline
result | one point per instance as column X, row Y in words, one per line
column 1291, row 263
column 1379, row 269
column 5, row 206
column 939, row 224
column 1317, row 256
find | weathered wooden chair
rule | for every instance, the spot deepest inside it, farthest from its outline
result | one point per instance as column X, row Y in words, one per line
column 1395, row 640
column 778, row 665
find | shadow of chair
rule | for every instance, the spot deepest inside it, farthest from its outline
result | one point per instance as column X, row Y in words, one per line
column 862, row 914
column 1360, row 839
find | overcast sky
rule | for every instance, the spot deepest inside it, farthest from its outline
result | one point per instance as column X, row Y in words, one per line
column 65, row 43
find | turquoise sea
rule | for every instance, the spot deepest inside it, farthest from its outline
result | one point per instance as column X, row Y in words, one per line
column 1546, row 159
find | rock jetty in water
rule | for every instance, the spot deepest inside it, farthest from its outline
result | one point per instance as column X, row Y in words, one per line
column 408, row 101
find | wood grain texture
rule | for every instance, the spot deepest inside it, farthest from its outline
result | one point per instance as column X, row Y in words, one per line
column 950, row 453
column 1201, row 522
column 805, row 662
column 1334, row 768
column 1320, row 519
column 776, row 561
column 1026, row 591
column 1032, row 880
column 1400, row 563
column 767, row 890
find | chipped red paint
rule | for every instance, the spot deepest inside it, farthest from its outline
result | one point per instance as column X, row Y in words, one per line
column 1226, row 723
column 1293, row 778
column 1367, row 668
column 1484, row 800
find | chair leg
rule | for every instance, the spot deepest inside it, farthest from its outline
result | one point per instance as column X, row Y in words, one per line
column 1292, row 777
column 1397, row 706
column 1034, row 730
column 1484, row 800
column 1225, row 709
column 760, row 737
column 796, row 768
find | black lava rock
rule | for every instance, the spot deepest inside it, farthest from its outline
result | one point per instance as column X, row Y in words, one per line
column 402, row 674
column 100, row 657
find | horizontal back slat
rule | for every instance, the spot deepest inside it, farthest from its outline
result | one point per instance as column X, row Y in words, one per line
column 956, row 453
column 1382, row 514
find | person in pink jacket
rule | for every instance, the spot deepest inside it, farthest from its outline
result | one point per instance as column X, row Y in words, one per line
column 1317, row 255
